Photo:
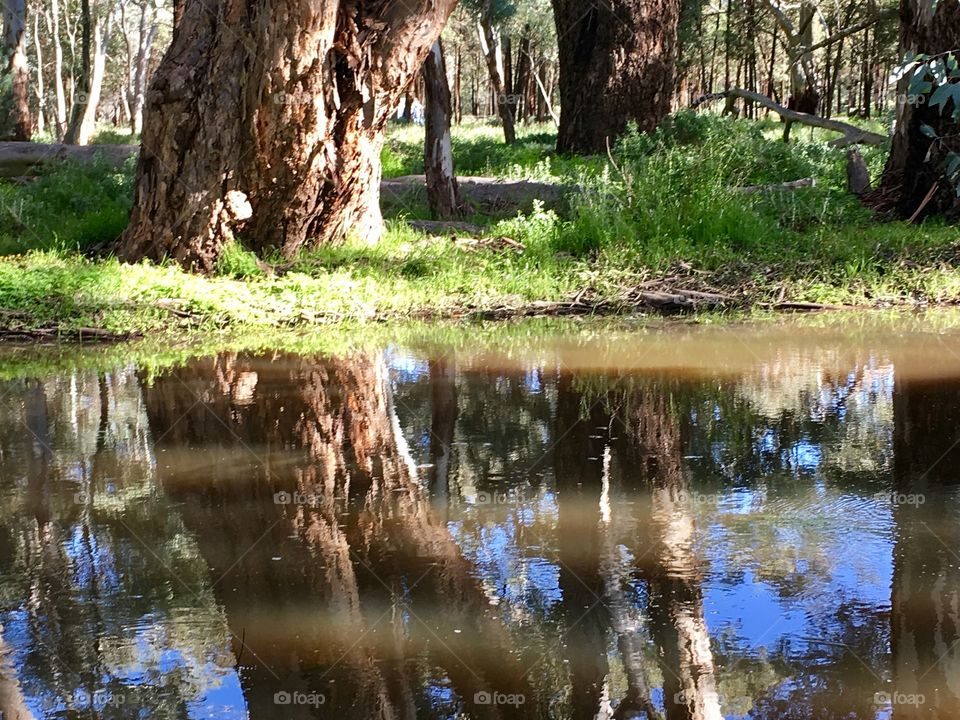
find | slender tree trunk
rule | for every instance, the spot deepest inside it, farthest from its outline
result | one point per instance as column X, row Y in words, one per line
column 804, row 90
column 493, row 54
column 147, row 32
column 443, row 195
column 53, row 24
column 267, row 123
column 40, row 88
column 14, row 77
column 458, row 88
column 522, row 84
column 916, row 160
column 616, row 66
column 82, row 86
column 98, row 70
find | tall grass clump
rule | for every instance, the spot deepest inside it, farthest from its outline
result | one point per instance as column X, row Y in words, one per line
column 73, row 206
column 673, row 194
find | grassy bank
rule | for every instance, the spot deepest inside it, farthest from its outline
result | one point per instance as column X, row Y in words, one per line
column 664, row 216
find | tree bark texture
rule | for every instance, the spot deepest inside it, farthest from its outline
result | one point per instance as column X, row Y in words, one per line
column 443, row 194
column 265, row 121
column 14, row 78
column 617, row 65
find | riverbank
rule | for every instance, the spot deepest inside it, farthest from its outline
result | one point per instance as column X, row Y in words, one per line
column 663, row 227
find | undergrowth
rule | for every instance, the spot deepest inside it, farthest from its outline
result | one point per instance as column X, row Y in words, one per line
column 664, row 205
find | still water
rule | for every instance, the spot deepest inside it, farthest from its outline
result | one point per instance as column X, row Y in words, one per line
column 674, row 521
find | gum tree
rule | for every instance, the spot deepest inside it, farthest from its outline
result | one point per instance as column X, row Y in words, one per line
column 265, row 121
column 14, row 103
column 922, row 174
column 617, row 65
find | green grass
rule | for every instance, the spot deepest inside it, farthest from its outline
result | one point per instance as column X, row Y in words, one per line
column 665, row 207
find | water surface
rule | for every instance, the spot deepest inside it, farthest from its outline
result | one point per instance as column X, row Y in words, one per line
column 672, row 521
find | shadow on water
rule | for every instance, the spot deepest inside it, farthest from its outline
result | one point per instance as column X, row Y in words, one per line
column 409, row 534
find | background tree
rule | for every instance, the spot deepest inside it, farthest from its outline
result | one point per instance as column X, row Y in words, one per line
column 14, row 80
column 443, row 195
column 617, row 62
column 922, row 174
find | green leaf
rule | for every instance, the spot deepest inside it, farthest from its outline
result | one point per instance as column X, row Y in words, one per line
column 919, row 85
column 928, row 131
column 938, row 69
column 953, row 67
column 953, row 164
column 944, row 93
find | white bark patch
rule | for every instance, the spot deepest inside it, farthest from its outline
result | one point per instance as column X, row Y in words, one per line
column 237, row 205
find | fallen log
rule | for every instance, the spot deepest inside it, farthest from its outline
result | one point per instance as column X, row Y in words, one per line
column 489, row 195
column 776, row 187
column 448, row 227
column 24, row 159
column 852, row 135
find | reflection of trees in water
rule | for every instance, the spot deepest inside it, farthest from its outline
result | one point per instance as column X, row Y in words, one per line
column 355, row 580
column 652, row 450
column 374, row 592
column 925, row 613
column 87, row 550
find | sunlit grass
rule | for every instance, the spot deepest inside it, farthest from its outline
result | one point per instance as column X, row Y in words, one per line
column 667, row 202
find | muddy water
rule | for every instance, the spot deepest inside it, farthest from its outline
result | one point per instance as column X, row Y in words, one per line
column 668, row 521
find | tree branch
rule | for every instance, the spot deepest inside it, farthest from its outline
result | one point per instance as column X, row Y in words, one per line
column 852, row 30
column 852, row 135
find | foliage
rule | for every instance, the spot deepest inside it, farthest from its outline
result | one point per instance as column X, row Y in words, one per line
column 666, row 207
column 72, row 207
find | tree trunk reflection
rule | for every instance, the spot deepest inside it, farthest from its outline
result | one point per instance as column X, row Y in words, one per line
column 340, row 578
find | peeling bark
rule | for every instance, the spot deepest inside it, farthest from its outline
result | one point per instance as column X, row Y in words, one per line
column 443, row 195
column 282, row 105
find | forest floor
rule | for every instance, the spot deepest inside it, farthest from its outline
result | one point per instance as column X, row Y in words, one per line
column 658, row 227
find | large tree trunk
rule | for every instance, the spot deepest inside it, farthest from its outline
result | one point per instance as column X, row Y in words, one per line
column 14, row 79
column 268, row 120
column 521, row 86
column 443, row 194
column 916, row 161
column 617, row 63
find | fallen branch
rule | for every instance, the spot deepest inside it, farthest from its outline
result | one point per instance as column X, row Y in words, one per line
column 448, row 227
column 852, row 135
column 776, row 187
column 491, row 195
